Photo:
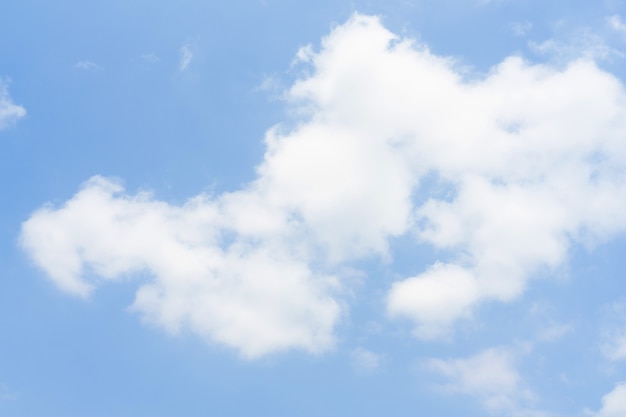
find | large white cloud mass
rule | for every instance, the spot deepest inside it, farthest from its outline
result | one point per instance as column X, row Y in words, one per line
column 501, row 173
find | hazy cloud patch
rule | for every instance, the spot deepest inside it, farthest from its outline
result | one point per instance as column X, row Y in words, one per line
column 616, row 23
column 186, row 55
column 86, row 65
column 366, row 361
column 151, row 58
column 614, row 331
column 491, row 376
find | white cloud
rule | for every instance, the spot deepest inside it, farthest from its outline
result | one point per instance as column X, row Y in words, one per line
column 213, row 272
column 390, row 139
column 615, row 22
column 438, row 296
column 553, row 332
column 614, row 332
column 86, row 65
column 584, row 43
column 186, row 55
column 304, row 54
column 613, row 403
column 614, row 347
column 9, row 111
column 491, row 377
column 364, row 360
column 550, row 330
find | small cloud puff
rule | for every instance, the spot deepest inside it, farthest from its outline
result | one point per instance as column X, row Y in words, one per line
column 305, row 54
column 364, row 360
column 9, row 111
column 553, row 332
column 86, row 65
column 616, row 23
column 521, row 28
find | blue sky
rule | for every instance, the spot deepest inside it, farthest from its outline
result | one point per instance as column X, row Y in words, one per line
column 409, row 208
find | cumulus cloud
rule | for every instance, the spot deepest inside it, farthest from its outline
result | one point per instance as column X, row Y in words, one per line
column 389, row 139
column 214, row 272
column 613, row 403
column 9, row 111
column 491, row 377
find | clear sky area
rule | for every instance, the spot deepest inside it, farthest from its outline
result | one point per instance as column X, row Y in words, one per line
column 313, row 209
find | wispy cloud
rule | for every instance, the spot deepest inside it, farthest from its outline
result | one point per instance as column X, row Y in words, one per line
column 151, row 58
column 553, row 332
column 86, row 65
column 492, row 377
column 616, row 23
column 521, row 28
column 365, row 361
column 549, row 330
column 584, row 43
column 186, row 55
column 614, row 332
column 9, row 111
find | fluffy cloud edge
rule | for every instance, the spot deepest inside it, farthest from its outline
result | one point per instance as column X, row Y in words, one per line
column 257, row 297
column 613, row 403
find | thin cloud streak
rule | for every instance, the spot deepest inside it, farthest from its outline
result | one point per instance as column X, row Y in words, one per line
column 86, row 65
column 186, row 55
